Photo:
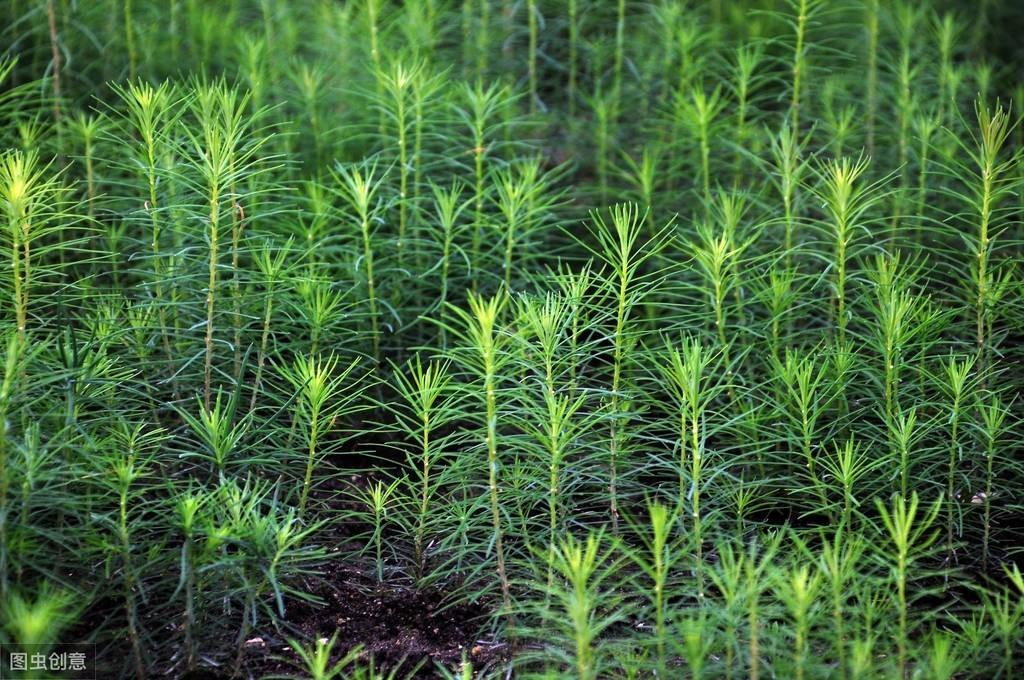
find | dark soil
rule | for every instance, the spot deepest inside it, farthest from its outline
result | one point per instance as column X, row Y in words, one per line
column 415, row 632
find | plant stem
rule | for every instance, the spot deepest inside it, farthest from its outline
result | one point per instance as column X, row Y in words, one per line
column 364, row 226
column 51, row 20
column 211, row 290
column 872, row 77
column 574, row 37
column 531, row 10
column 799, row 66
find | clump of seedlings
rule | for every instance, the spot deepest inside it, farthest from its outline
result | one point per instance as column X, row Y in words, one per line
column 490, row 339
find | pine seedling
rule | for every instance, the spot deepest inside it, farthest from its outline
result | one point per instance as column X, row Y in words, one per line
column 448, row 208
column 779, row 294
column 219, row 432
column 798, row 589
column 586, row 570
column 315, row 661
column 840, row 121
column 698, row 641
column 322, row 308
column 37, row 619
column 271, row 263
column 789, row 170
column 846, row 467
column 88, row 129
column 846, row 200
column 925, row 125
column 188, row 507
column 420, row 26
column 514, row 194
column 319, row 402
column 643, row 174
column 749, row 58
column 359, row 190
column 944, row 660
column 426, row 95
column 27, row 197
column 1006, row 610
column 1010, row 614
column 903, row 437
column 719, row 253
column 36, row 474
column 399, row 86
column 727, row 576
column 123, row 470
column 902, row 321
column 803, row 380
column 621, row 249
column 555, row 422
column 14, row 370
column 274, row 547
column 426, row 391
column 31, row 133
column 757, row 568
column 947, row 30
column 691, row 43
column 486, row 345
column 909, row 536
column 311, row 81
column 862, row 659
column 631, row 662
column 983, row 78
column 990, row 181
column 222, row 157
column 699, row 111
column 955, row 382
column 314, row 229
column 803, row 13
column 992, row 414
column 94, row 374
column 666, row 17
column 527, row 204
column 479, row 117
column 377, row 499
column 838, row 564
column 151, row 113
column 686, row 372
column 576, row 287
column 254, row 66
column 656, row 560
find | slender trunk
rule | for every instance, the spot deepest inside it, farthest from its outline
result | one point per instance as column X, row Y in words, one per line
column 237, row 226
column 492, row 465
column 264, row 342
column 51, row 20
column 872, row 77
column 371, row 288
column 574, row 36
column 211, row 290
column 616, row 425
